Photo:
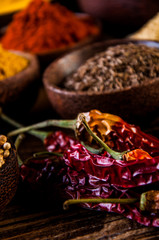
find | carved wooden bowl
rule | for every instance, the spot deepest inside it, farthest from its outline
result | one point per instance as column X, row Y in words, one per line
column 9, row 178
column 121, row 13
column 136, row 101
column 19, row 91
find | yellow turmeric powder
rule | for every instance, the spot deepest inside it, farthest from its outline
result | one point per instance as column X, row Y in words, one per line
column 10, row 6
column 11, row 64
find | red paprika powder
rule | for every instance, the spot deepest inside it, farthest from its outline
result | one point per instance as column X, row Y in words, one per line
column 43, row 26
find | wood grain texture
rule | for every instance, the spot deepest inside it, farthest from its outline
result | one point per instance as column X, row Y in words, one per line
column 19, row 222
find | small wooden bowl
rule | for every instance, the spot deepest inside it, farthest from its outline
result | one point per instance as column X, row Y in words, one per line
column 130, row 102
column 121, row 13
column 19, row 91
column 9, row 178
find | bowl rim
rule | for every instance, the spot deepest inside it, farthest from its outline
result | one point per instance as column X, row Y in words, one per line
column 55, row 88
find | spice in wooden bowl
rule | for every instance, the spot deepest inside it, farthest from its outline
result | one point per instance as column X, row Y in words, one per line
column 42, row 27
column 11, row 64
column 19, row 74
column 118, row 67
column 130, row 102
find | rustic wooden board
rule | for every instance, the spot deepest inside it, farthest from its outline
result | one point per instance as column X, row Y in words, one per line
column 19, row 222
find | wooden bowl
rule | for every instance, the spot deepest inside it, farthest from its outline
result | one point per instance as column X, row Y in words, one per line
column 130, row 102
column 130, row 13
column 19, row 91
column 9, row 178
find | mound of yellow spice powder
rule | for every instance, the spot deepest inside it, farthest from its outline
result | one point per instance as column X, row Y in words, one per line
column 10, row 6
column 11, row 64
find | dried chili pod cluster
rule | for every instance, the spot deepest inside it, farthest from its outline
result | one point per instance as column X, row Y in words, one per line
column 116, row 133
column 90, row 175
column 5, row 147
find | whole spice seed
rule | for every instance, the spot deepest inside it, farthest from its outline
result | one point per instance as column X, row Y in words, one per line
column 4, row 150
column 6, row 153
column 116, row 68
column 3, row 139
column 7, row 146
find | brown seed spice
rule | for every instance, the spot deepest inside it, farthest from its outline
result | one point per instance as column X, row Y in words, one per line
column 116, row 68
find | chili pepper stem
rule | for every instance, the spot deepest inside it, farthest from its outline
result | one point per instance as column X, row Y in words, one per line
column 39, row 134
column 91, row 149
column 114, row 154
column 9, row 120
column 42, row 154
column 17, row 143
column 70, row 124
column 46, row 153
column 98, row 200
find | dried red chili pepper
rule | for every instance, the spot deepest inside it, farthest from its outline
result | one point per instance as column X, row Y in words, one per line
column 90, row 175
column 58, row 141
column 87, row 175
column 126, row 155
column 130, row 174
column 136, row 154
column 39, row 176
column 149, row 201
column 130, row 209
column 114, row 131
column 117, row 133
column 117, row 172
column 93, row 176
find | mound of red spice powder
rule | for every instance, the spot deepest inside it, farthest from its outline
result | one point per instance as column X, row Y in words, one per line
column 43, row 26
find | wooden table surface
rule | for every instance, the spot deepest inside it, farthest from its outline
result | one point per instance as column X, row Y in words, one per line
column 19, row 222
column 35, row 219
